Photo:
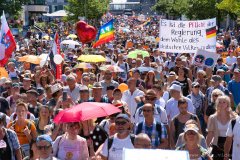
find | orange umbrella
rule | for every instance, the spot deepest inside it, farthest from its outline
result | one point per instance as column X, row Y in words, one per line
column 3, row 72
column 30, row 59
column 123, row 87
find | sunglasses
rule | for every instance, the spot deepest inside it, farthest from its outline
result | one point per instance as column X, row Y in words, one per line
column 191, row 133
column 197, row 87
column 86, row 80
column 84, row 91
column 43, row 147
column 147, row 110
column 71, row 125
column 216, row 95
column 120, row 123
column 150, row 98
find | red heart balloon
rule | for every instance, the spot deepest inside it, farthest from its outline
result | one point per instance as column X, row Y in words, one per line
column 86, row 33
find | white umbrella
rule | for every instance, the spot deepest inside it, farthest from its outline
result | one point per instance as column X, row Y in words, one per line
column 70, row 42
column 60, row 13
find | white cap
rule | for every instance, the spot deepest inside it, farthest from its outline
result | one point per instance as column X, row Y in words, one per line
column 55, row 88
column 176, row 87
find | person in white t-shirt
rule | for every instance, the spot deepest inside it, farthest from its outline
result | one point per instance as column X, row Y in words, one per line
column 172, row 104
column 233, row 139
column 113, row 147
column 231, row 59
column 129, row 96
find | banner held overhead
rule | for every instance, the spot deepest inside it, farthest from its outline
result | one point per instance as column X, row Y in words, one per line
column 187, row 36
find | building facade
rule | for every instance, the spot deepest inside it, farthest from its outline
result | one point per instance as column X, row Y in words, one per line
column 137, row 6
column 56, row 5
column 34, row 9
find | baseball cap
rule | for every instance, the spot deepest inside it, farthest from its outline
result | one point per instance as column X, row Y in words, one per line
column 216, row 78
column 172, row 73
column 97, row 85
column 56, row 87
column 194, row 84
column 27, row 77
column 175, row 87
column 84, row 88
column 191, row 127
column 123, row 116
column 44, row 137
column 32, row 91
column 15, row 85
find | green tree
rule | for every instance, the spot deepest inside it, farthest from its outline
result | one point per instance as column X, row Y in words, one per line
column 193, row 9
column 91, row 9
column 12, row 7
column 201, row 9
column 174, row 8
column 231, row 7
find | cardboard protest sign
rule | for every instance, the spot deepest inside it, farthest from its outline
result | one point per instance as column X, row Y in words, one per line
column 154, row 154
column 187, row 36
column 205, row 58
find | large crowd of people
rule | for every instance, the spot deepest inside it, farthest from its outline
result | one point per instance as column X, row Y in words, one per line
column 166, row 101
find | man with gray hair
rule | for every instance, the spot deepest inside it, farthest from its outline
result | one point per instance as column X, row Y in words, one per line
column 73, row 88
column 142, row 141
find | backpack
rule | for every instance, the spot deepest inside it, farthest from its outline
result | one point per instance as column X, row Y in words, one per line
column 28, row 116
column 158, row 128
column 110, row 141
column 234, row 67
column 233, row 122
column 14, row 125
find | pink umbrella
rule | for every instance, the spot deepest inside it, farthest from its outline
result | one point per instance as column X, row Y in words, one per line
column 86, row 111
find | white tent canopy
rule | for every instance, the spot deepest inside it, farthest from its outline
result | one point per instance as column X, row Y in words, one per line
column 60, row 13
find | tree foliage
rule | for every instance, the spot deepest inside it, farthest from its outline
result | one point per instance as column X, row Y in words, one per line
column 174, row 8
column 91, row 9
column 193, row 9
column 201, row 9
column 12, row 7
column 231, row 7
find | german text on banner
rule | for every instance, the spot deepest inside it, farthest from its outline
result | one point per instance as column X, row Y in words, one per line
column 187, row 36
column 205, row 58
column 7, row 42
column 105, row 34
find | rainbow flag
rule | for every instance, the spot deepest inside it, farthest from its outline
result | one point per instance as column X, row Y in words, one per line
column 105, row 34
column 147, row 22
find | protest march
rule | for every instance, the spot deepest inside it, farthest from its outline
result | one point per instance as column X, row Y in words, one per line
column 134, row 87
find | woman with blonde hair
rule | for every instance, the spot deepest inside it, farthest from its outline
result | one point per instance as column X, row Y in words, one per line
column 211, row 109
column 201, row 79
column 218, row 125
column 192, row 138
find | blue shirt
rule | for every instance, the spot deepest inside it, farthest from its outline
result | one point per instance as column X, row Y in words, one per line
column 234, row 87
